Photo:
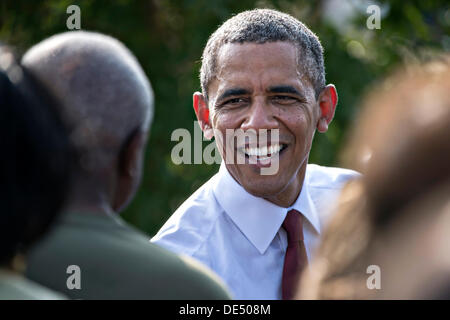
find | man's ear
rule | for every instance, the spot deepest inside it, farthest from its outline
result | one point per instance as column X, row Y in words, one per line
column 327, row 103
column 129, row 169
column 202, row 112
column 131, row 155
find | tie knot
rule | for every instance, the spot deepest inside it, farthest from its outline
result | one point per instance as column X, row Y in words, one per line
column 293, row 224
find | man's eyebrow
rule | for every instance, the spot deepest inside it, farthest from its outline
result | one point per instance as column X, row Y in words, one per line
column 286, row 89
column 232, row 92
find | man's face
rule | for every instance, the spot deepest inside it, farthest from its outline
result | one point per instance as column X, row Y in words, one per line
column 259, row 86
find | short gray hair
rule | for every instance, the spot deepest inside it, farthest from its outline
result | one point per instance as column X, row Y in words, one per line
column 104, row 93
column 261, row 26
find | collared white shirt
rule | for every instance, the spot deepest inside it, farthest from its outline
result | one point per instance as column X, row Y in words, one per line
column 239, row 236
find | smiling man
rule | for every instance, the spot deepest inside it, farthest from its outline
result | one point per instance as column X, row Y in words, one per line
column 262, row 72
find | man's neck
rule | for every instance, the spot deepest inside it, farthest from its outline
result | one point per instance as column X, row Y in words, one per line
column 289, row 195
column 287, row 198
column 96, row 209
column 88, row 198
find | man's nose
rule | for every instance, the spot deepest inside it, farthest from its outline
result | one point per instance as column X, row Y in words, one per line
column 260, row 115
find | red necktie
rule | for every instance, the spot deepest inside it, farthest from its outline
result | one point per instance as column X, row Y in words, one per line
column 295, row 259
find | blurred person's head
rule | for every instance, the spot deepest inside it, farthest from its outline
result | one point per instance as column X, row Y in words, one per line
column 264, row 70
column 107, row 105
column 401, row 145
column 400, row 142
column 35, row 162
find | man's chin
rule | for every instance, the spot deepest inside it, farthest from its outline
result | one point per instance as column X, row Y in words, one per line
column 263, row 189
column 258, row 185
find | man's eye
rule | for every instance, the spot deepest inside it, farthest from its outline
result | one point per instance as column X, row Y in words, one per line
column 284, row 99
column 235, row 101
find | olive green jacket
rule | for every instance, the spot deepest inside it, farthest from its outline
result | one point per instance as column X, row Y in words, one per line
column 89, row 256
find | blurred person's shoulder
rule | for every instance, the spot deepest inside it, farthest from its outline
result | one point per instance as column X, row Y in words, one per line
column 16, row 287
column 116, row 261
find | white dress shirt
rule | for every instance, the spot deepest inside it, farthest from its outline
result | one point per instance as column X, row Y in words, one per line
column 239, row 236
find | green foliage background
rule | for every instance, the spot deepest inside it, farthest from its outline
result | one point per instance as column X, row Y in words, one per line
column 168, row 36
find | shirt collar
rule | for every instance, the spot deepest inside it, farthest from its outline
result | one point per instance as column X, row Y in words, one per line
column 306, row 206
column 258, row 219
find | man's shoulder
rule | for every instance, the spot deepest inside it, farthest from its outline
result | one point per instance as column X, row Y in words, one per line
column 99, row 233
column 110, row 258
column 16, row 287
column 325, row 185
column 85, row 243
column 191, row 224
column 329, row 177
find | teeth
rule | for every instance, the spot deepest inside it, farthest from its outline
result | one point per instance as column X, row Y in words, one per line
column 264, row 151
